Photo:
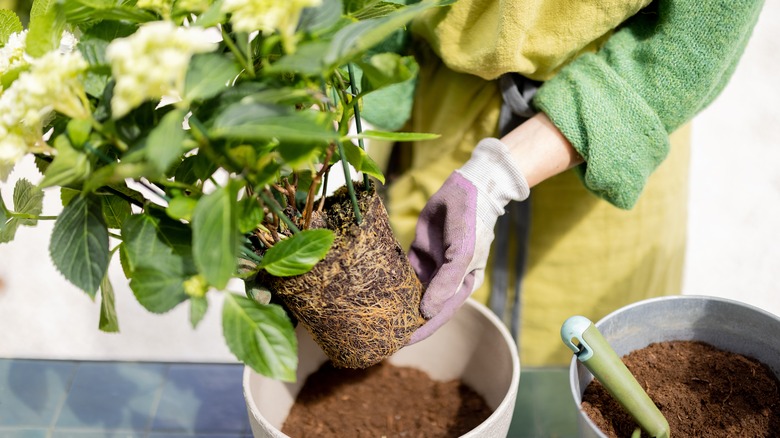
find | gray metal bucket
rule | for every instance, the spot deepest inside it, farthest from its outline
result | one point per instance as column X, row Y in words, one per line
column 726, row 324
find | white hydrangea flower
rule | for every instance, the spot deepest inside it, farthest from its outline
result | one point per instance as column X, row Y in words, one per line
column 51, row 84
column 268, row 16
column 12, row 54
column 152, row 63
column 12, row 149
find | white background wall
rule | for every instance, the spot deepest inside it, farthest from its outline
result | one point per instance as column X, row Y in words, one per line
column 734, row 237
column 734, row 231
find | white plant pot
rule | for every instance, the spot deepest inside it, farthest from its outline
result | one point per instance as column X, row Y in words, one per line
column 473, row 346
column 726, row 324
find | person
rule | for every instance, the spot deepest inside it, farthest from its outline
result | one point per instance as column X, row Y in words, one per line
column 584, row 104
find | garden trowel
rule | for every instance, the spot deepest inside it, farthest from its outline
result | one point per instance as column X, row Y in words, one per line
column 601, row 360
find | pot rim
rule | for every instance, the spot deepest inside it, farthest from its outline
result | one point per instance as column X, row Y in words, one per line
column 507, row 402
column 573, row 374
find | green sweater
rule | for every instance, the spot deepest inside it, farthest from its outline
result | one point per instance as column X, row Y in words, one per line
column 618, row 105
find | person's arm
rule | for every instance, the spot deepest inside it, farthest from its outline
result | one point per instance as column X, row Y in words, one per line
column 618, row 105
column 612, row 111
column 540, row 150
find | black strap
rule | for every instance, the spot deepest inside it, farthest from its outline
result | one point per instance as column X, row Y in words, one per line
column 517, row 92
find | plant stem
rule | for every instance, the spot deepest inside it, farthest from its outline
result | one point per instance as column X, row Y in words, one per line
column 115, row 236
column 358, row 122
column 237, row 52
column 278, row 211
column 31, row 216
column 251, row 254
column 123, row 196
column 343, row 128
column 350, row 187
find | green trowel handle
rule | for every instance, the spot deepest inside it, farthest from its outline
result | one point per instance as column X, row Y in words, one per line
column 601, row 360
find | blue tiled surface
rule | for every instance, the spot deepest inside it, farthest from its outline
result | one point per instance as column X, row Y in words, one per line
column 67, row 399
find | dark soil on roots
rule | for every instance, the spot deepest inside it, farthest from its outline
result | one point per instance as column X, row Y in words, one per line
column 383, row 401
column 702, row 391
column 362, row 302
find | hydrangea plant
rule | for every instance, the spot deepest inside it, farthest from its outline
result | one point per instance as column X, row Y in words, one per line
column 172, row 128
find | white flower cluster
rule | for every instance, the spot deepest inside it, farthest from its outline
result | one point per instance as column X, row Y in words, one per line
column 152, row 63
column 12, row 55
column 51, row 83
column 268, row 16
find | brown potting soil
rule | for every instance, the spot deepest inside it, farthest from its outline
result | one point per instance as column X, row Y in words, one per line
column 383, row 401
column 702, row 391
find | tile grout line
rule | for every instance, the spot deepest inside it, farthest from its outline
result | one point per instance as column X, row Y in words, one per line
column 157, row 401
column 61, row 405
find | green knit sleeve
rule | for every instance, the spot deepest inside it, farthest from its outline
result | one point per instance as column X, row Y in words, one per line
column 618, row 105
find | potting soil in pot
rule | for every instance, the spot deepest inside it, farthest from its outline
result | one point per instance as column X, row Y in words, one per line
column 702, row 391
column 383, row 401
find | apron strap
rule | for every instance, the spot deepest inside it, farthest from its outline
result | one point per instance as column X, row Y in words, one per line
column 517, row 92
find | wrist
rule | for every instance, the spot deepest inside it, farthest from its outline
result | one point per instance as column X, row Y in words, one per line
column 496, row 176
column 540, row 150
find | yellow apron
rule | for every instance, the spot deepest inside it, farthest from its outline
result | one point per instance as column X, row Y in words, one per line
column 586, row 257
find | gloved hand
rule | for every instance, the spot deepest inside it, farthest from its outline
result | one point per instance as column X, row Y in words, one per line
column 455, row 230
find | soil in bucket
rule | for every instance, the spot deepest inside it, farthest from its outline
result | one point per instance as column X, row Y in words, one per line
column 383, row 401
column 361, row 302
column 701, row 390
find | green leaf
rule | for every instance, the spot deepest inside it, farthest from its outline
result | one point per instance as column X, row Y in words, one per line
column 8, row 226
column 208, row 74
column 321, row 18
column 158, row 256
column 260, row 122
column 84, row 11
column 386, row 69
column 9, row 76
column 249, row 214
column 352, row 41
column 165, row 141
column 300, row 154
column 46, row 25
column 361, row 161
column 181, row 207
column 78, row 131
column 79, row 244
column 198, row 308
column 308, row 60
column 261, row 336
column 298, row 253
column 159, row 288
column 67, row 195
column 194, row 168
column 69, row 165
column 376, row 10
column 115, row 173
column 215, row 235
column 115, row 210
column 28, row 199
column 108, row 319
column 395, row 136
column 3, row 210
column 151, row 241
column 9, row 24
column 211, row 16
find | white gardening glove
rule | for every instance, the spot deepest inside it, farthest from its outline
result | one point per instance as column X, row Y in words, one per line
column 455, row 230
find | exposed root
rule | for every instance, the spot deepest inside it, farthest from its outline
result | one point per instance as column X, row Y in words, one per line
column 361, row 303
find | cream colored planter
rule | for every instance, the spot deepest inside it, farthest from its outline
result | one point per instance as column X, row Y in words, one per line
column 473, row 346
column 726, row 324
